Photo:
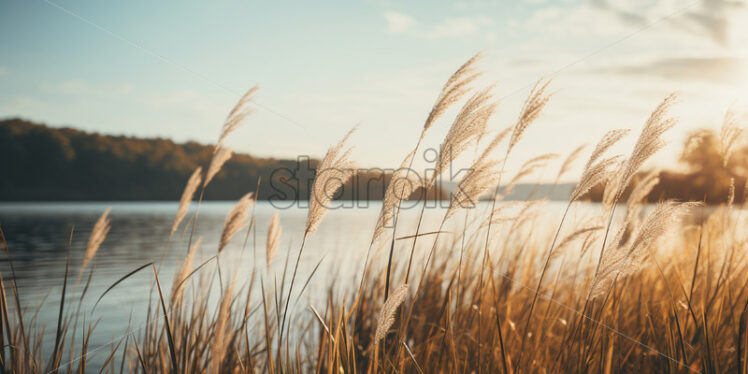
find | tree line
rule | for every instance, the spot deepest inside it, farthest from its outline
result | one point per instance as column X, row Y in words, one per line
column 41, row 163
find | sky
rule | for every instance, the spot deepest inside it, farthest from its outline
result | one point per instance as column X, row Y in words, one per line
column 175, row 68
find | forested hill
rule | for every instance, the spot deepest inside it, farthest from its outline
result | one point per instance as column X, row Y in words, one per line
column 40, row 163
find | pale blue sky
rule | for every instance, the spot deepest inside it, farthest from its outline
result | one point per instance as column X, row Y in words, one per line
column 173, row 69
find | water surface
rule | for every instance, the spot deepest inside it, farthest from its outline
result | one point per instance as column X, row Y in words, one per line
column 38, row 235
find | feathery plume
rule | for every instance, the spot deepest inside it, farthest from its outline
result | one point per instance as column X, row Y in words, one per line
column 595, row 172
column 525, row 211
column 566, row 165
column 532, row 108
column 482, row 177
column 594, row 175
column 589, row 240
column 659, row 221
column 98, row 234
column 220, row 340
column 650, row 141
column 457, row 86
column 184, row 271
column 235, row 220
column 623, row 259
column 187, row 194
column 221, row 153
column 612, row 185
column 578, row 233
column 240, row 111
column 467, row 126
column 529, row 212
column 526, row 169
column 608, row 140
column 500, row 137
column 220, row 156
column 402, row 184
column 333, row 172
column 501, row 207
column 640, row 192
column 274, row 233
column 387, row 314
column 728, row 135
column 496, row 141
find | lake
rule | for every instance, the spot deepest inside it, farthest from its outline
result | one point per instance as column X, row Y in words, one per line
column 38, row 234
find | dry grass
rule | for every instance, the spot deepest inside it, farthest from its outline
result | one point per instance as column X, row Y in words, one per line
column 100, row 230
column 237, row 218
column 333, row 171
column 274, row 232
column 189, row 192
column 503, row 292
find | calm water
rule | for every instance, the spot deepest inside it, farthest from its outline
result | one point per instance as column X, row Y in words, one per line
column 38, row 235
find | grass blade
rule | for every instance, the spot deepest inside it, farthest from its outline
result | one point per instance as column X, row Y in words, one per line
column 56, row 352
column 166, row 322
column 128, row 275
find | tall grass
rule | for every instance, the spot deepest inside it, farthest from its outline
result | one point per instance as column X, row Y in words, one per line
column 498, row 292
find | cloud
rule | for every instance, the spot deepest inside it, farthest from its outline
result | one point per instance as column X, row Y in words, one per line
column 458, row 27
column 398, row 23
column 582, row 22
column 80, row 87
column 717, row 20
column 713, row 69
column 704, row 24
column 3, row 70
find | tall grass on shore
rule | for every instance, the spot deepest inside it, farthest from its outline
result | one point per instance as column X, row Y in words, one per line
column 506, row 289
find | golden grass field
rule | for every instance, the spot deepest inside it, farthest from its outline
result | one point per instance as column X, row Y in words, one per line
column 630, row 288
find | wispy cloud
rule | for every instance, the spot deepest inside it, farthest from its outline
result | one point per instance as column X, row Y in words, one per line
column 580, row 21
column 714, row 19
column 398, row 23
column 695, row 23
column 713, row 69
